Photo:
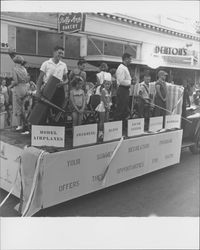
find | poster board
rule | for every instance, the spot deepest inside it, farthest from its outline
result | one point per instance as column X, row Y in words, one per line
column 112, row 130
column 172, row 121
column 135, row 127
column 155, row 123
column 52, row 136
column 84, row 135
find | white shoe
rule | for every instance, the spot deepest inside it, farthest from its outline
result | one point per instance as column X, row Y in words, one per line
column 25, row 133
column 19, row 128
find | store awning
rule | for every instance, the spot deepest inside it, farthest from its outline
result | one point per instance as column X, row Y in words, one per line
column 174, row 61
column 36, row 61
column 106, row 58
column 6, row 66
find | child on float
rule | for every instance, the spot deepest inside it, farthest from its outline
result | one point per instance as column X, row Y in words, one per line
column 78, row 100
column 106, row 102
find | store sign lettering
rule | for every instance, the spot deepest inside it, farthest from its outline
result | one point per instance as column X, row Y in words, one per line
column 70, row 22
column 170, row 51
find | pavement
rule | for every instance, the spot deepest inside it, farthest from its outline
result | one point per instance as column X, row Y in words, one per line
column 172, row 191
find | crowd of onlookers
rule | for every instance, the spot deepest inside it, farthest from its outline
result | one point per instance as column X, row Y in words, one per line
column 115, row 95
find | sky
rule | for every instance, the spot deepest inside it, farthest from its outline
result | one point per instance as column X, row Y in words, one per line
column 145, row 10
column 188, row 9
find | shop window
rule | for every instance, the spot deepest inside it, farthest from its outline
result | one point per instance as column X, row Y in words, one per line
column 47, row 41
column 25, row 41
column 131, row 49
column 113, row 49
column 95, row 47
column 72, row 47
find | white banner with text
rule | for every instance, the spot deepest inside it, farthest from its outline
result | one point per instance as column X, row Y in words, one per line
column 73, row 173
column 9, row 167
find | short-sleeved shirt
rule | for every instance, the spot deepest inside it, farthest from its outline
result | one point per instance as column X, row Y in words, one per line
column 50, row 68
column 144, row 90
column 78, row 96
column 78, row 72
column 104, row 76
column 123, row 76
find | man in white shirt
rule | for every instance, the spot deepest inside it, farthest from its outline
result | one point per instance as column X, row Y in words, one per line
column 53, row 67
column 124, row 82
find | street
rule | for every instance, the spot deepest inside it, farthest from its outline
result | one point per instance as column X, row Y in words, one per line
column 172, row 191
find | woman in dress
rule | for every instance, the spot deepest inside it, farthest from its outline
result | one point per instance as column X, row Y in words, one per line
column 20, row 78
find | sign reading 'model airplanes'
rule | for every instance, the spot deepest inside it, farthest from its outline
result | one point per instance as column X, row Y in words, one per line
column 70, row 22
column 48, row 136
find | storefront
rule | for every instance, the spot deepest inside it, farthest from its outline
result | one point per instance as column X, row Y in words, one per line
column 102, row 37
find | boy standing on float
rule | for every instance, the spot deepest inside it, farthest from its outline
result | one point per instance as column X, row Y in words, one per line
column 54, row 66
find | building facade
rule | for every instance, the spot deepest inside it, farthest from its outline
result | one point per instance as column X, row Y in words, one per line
column 103, row 38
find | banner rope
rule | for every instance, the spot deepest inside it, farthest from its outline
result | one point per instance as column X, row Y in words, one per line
column 28, row 204
column 13, row 184
column 152, row 104
column 111, row 158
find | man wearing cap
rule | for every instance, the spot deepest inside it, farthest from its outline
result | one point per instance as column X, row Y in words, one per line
column 161, row 94
column 144, row 93
column 124, row 82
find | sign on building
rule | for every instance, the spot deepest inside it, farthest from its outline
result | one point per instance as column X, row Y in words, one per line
column 70, row 22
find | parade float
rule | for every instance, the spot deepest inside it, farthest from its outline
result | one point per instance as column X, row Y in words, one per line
column 50, row 166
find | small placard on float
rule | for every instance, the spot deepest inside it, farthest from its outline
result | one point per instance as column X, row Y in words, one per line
column 84, row 135
column 135, row 127
column 52, row 136
column 112, row 130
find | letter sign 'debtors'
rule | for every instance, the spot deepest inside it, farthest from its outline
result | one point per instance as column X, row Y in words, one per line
column 70, row 22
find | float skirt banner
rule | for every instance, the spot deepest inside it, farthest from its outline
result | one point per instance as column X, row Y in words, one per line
column 9, row 166
column 73, row 173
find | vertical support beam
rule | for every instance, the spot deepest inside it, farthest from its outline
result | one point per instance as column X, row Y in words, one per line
column 12, row 37
column 83, row 46
column 36, row 42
